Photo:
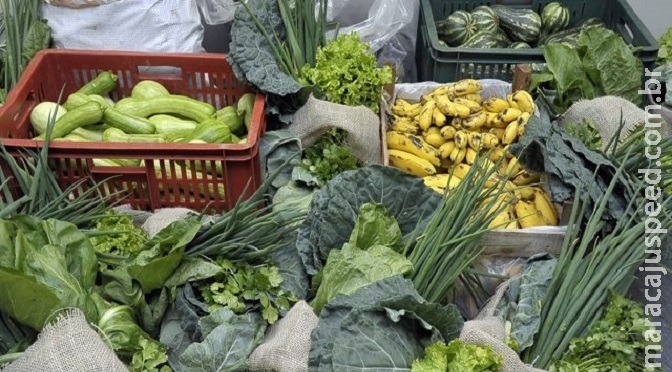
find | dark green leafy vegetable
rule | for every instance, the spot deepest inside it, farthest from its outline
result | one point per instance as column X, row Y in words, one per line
column 45, row 266
column 162, row 254
column 381, row 326
column 348, row 73
column 329, row 157
column 457, row 356
column 242, row 288
column 335, row 208
column 603, row 64
column 228, row 341
column 614, row 343
column 587, row 133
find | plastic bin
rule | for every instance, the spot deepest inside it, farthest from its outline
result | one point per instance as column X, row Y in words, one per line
column 167, row 175
column 441, row 63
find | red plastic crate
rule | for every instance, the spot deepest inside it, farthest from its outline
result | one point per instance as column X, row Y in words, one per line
column 207, row 77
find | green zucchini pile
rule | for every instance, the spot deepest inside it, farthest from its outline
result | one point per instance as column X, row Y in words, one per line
column 151, row 114
column 500, row 26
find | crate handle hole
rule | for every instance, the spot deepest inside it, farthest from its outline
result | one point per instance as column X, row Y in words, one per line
column 159, row 72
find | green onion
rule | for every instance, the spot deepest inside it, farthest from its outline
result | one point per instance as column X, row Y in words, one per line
column 450, row 243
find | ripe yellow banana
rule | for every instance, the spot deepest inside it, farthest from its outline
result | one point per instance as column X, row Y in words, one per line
column 495, row 105
column 467, row 86
column 447, row 89
column 475, row 121
column 526, row 192
column 426, row 115
column 448, row 132
column 524, row 101
column 523, row 178
column 474, row 97
column 446, row 149
column 522, row 120
column 456, row 122
column 470, row 156
column 402, row 102
column 460, row 170
column 458, row 155
column 407, row 110
column 444, row 181
column 435, row 139
column 438, row 118
column 474, row 140
column 513, row 168
column 497, row 132
column 495, row 154
column 501, row 220
column 432, row 130
column 473, row 106
column 404, row 125
column 426, row 98
column 527, row 214
column 412, row 144
column 461, row 139
column 513, row 225
column 543, row 204
column 508, row 115
column 450, row 108
column 489, row 140
column 512, row 103
column 411, row 163
column 511, row 133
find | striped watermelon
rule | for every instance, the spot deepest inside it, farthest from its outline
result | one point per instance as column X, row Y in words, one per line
column 520, row 45
column 554, row 18
column 486, row 19
column 457, row 28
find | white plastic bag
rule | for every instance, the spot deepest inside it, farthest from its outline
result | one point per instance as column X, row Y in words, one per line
column 217, row 12
column 78, row 3
column 130, row 25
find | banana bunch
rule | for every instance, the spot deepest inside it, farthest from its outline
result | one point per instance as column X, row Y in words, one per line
column 453, row 124
column 439, row 138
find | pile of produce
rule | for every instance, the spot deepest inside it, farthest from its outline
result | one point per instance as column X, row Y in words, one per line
column 150, row 115
column 440, row 137
column 501, row 26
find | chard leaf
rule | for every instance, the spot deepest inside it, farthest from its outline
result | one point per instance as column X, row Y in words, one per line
column 163, row 253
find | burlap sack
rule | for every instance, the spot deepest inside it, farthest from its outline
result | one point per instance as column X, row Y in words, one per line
column 164, row 217
column 606, row 112
column 362, row 125
column 287, row 343
column 68, row 345
column 488, row 329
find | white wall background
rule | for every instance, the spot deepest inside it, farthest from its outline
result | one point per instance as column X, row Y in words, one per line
column 656, row 14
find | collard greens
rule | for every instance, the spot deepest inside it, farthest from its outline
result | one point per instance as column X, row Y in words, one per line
column 335, row 208
column 379, row 327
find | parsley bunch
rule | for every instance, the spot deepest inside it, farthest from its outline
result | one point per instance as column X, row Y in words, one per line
column 244, row 287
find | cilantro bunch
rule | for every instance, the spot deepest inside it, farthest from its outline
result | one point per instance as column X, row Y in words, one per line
column 347, row 72
column 244, row 287
column 615, row 343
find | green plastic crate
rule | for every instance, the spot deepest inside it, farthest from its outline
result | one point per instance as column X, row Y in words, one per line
column 440, row 63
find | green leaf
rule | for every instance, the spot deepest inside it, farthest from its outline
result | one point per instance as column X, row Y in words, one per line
column 191, row 270
column 24, row 299
column 351, row 268
column 227, row 346
column 270, row 314
column 375, row 226
column 37, row 38
column 163, row 254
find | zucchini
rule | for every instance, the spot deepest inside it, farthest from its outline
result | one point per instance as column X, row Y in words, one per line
column 89, row 135
column 128, row 123
column 519, row 24
column 40, row 114
column 229, row 116
column 211, row 131
column 77, row 99
column 86, row 114
column 147, row 89
column 168, row 123
column 188, row 108
column 101, row 84
column 118, row 135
